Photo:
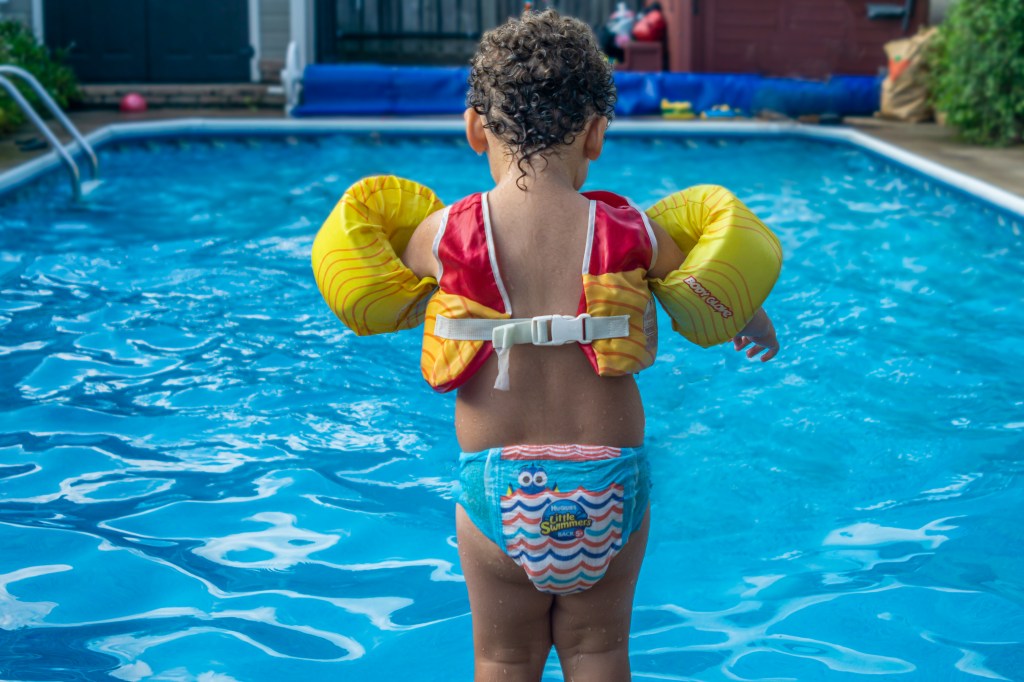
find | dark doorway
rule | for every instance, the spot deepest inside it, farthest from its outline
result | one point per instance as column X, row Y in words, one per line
column 152, row 41
column 426, row 31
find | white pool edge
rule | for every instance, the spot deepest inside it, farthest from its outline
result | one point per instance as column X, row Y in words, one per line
column 989, row 193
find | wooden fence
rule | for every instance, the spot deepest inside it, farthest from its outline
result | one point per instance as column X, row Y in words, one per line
column 426, row 31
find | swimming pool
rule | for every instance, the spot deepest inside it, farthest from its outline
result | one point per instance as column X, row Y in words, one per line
column 204, row 476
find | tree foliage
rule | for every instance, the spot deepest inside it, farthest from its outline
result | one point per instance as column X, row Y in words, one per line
column 977, row 69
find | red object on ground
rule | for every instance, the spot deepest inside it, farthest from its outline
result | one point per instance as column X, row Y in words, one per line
column 650, row 28
column 133, row 103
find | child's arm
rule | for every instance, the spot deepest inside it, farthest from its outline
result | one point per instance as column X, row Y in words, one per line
column 670, row 256
column 419, row 254
column 759, row 331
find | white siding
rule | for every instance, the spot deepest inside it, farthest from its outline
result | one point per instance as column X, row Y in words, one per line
column 274, row 29
column 17, row 9
column 938, row 10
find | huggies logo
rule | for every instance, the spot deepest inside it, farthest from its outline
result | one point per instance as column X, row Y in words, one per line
column 712, row 302
column 565, row 520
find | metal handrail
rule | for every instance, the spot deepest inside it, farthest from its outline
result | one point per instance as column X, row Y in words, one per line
column 57, row 113
column 76, row 180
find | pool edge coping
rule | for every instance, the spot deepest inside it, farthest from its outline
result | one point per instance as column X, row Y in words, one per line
column 968, row 184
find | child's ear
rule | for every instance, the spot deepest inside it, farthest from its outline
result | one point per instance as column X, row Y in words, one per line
column 594, row 137
column 475, row 131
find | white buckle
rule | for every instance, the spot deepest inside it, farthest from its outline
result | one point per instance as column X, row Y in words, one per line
column 558, row 330
column 503, row 336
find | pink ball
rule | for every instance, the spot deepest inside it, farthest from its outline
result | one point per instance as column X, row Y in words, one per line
column 133, row 103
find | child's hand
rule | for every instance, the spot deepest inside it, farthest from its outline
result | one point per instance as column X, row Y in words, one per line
column 761, row 332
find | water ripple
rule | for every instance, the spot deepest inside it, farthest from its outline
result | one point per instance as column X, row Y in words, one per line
column 204, row 476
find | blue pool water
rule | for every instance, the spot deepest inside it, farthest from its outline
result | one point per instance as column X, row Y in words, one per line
column 204, row 476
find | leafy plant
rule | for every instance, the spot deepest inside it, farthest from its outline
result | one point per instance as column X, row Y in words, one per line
column 977, row 70
column 18, row 46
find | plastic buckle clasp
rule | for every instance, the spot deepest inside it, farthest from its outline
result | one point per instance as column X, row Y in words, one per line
column 558, row 330
column 503, row 336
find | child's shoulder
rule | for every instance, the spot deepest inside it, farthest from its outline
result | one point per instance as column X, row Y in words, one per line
column 619, row 214
column 471, row 202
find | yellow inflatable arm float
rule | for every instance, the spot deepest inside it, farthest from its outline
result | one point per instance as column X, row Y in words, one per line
column 732, row 259
column 356, row 255
column 732, row 262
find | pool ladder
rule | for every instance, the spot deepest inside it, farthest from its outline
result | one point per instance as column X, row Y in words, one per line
column 77, row 186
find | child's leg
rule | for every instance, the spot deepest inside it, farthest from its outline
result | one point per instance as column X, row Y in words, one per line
column 590, row 629
column 511, row 619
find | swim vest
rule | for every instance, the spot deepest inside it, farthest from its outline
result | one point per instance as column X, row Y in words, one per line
column 732, row 262
column 470, row 315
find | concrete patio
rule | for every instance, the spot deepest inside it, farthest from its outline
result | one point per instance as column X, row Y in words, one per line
column 1001, row 167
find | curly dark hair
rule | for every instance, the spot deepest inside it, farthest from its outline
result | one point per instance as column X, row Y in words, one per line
column 537, row 81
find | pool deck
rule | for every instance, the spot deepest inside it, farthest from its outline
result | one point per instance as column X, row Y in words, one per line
column 1002, row 167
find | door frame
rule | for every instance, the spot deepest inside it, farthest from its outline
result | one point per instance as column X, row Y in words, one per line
column 254, row 41
column 37, row 21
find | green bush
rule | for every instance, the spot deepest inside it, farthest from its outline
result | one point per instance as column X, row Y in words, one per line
column 18, row 46
column 978, row 70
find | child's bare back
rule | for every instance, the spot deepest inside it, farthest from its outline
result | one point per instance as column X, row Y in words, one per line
column 539, row 241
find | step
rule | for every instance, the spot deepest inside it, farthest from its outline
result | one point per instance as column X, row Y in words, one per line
column 186, row 94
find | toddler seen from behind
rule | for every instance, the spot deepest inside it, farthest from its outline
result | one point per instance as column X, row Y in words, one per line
column 538, row 308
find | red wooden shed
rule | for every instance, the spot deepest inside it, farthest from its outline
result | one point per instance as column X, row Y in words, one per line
column 802, row 38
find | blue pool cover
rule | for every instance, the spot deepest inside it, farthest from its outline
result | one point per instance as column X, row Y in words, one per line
column 372, row 89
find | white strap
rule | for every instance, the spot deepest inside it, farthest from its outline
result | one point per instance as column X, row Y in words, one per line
column 543, row 330
column 504, row 355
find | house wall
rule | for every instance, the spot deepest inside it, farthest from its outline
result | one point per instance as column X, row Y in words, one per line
column 802, row 38
column 274, row 28
column 411, row 28
column 939, row 10
column 17, row 9
column 275, row 32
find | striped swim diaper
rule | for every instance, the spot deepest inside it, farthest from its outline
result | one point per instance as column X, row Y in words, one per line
column 562, row 512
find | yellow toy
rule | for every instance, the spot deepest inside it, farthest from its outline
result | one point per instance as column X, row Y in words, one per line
column 721, row 111
column 677, row 110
